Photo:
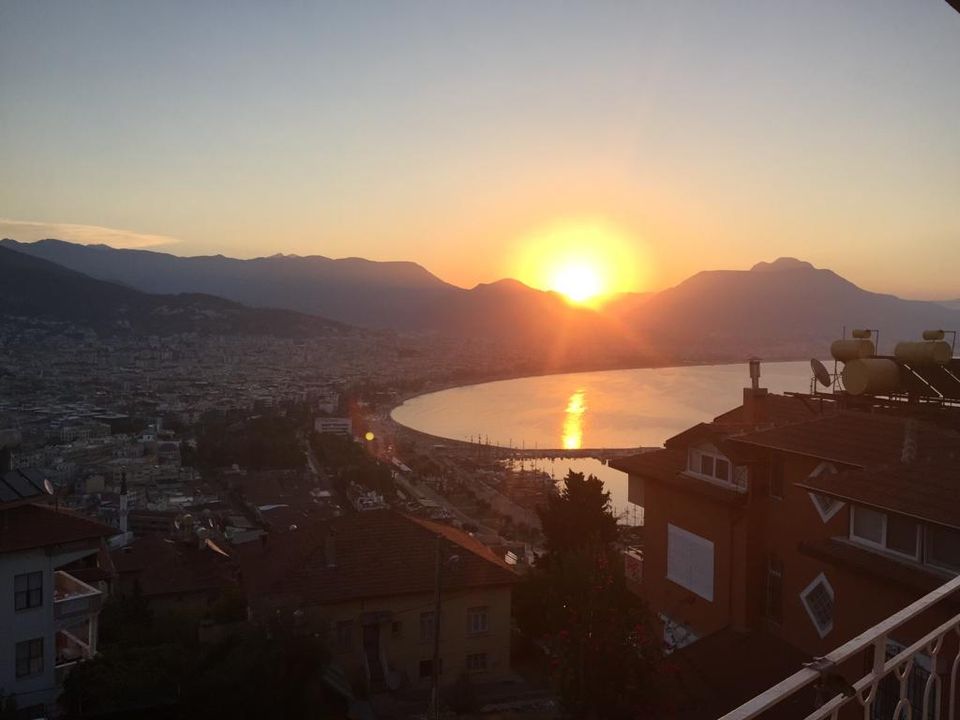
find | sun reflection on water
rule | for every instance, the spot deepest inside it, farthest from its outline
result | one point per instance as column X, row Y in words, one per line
column 573, row 421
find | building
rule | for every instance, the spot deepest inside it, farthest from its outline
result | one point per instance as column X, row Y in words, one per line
column 798, row 522
column 334, row 425
column 369, row 582
column 48, row 618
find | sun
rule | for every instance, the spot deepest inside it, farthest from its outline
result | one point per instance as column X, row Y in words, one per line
column 579, row 282
column 587, row 261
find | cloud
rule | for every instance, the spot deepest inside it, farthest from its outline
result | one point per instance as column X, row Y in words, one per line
column 84, row 234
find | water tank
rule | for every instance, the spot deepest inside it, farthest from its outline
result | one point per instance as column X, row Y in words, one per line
column 861, row 334
column 919, row 354
column 847, row 350
column 871, row 376
column 933, row 334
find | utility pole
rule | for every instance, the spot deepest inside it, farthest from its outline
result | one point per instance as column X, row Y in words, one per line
column 435, row 663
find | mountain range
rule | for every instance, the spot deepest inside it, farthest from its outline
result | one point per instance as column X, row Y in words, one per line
column 786, row 308
column 33, row 289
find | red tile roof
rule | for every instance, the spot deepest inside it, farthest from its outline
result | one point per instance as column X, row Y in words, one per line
column 164, row 566
column 853, row 438
column 780, row 410
column 377, row 554
column 23, row 527
column 926, row 491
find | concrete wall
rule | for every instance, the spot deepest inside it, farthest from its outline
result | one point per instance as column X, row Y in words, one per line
column 18, row 626
column 401, row 641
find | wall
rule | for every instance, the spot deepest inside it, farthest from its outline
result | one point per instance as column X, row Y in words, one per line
column 404, row 649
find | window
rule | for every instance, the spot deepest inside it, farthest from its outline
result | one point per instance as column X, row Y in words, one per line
column 774, row 599
column 345, row 635
column 426, row 626
column 707, row 462
column 690, row 561
column 28, row 591
column 817, row 598
column 721, row 469
column 826, row 506
column 943, row 547
column 868, row 525
column 477, row 620
column 886, row 531
column 903, row 535
column 29, row 657
column 477, row 662
column 776, row 477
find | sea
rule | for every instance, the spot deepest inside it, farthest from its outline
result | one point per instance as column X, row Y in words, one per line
column 607, row 409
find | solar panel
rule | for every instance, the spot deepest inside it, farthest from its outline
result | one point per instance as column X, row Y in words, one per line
column 6, row 493
column 21, row 485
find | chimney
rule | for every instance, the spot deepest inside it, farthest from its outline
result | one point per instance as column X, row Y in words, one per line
column 755, row 397
column 329, row 549
column 909, row 453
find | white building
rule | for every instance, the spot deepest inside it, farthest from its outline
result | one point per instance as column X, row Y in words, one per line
column 334, row 425
column 48, row 617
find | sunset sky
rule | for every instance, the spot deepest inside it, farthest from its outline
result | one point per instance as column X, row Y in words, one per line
column 477, row 137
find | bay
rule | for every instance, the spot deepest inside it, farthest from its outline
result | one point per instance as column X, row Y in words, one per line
column 606, row 409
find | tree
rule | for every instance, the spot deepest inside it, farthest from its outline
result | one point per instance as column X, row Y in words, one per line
column 603, row 654
column 579, row 515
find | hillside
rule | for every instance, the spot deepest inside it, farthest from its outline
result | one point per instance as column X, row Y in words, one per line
column 785, row 308
column 34, row 289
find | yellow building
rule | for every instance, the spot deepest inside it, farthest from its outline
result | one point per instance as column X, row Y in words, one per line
column 368, row 581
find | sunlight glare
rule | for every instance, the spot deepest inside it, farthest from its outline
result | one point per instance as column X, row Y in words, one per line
column 587, row 261
column 573, row 421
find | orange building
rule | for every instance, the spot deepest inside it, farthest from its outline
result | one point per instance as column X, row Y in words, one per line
column 790, row 524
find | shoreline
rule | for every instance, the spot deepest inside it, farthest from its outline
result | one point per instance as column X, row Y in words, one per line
column 496, row 377
column 508, row 451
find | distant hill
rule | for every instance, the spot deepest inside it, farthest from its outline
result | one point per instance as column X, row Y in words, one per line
column 785, row 308
column 396, row 295
column 351, row 290
column 36, row 289
column 786, row 305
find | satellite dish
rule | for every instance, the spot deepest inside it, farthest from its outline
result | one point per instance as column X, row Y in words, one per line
column 176, row 523
column 821, row 373
column 48, row 486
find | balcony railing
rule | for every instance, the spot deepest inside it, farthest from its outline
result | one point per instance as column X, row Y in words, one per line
column 73, row 598
column 938, row 649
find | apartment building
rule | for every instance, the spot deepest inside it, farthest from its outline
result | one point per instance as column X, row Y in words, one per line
column 369, row 582
column 48, row 616
column 791, row 524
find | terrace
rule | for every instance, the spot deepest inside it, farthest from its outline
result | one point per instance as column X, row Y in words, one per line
column 900, row 681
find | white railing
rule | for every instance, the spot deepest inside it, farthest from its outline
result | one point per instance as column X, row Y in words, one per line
column 861, row 695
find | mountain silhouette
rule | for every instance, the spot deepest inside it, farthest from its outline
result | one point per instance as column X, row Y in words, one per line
column 785, row 308
column 33, row 289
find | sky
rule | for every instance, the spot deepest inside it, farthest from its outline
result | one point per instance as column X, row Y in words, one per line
column 475, row 137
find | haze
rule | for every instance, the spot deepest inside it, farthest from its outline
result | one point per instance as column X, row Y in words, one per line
column 708, row 135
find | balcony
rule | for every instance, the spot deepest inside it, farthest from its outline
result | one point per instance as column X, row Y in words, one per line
column 919, row 680
column 73, row 600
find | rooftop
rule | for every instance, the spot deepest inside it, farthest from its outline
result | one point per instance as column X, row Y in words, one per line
column 27, row 526
column 375, row 554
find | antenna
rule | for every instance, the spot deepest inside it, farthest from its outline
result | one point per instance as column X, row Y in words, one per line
column 820, row 372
